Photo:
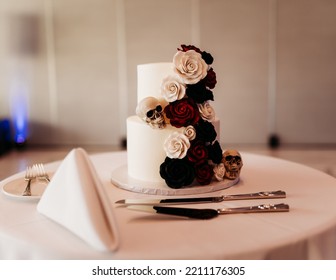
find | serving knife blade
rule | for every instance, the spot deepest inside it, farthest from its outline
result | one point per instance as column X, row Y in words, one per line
column 204, row 214
column 187, row 200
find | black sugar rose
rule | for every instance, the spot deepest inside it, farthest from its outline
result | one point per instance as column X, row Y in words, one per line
column 199, row 93
column 215, row 152
column 207, row 57
column 205, row 131
column 177, row 173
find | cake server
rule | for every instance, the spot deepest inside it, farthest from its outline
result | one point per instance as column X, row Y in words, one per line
column 257, row 195
column 195, row 213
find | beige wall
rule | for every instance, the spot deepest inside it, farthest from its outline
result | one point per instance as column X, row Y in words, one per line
column 275, row 64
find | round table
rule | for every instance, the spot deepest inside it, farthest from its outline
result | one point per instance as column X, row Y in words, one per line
column 307, row 231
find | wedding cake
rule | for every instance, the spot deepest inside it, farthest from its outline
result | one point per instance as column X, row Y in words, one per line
column 174, row 136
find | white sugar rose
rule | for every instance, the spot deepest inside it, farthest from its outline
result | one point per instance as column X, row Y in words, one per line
column 219, row 171
column 207, row 112
column 172, row 88
column 176, row 145
column 190, row 66
column 190, row 132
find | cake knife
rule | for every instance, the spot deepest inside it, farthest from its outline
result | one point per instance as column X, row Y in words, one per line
column 204, row 214
column 257, row 195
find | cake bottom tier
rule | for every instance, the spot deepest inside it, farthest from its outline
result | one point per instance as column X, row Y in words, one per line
column 145, row 151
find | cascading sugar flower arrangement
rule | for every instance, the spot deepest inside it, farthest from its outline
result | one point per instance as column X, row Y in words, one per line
column 193, row 153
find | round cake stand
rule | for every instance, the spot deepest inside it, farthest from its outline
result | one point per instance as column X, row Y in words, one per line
column 121, row 179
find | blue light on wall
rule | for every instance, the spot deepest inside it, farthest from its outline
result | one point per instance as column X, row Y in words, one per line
column 20, row 122
column 19, row 112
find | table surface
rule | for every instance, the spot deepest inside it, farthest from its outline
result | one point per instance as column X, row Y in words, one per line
column 308, row 231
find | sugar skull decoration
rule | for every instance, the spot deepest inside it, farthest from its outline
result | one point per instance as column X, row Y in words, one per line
column 150, row 110
column 233, row 163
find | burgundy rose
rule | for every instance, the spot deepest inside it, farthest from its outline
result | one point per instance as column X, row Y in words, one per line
column 215, row 152
column 197, row 152
column 177, row 173
column 210, row 79
column 182, row 112
column 185, row 48
column 204, row 173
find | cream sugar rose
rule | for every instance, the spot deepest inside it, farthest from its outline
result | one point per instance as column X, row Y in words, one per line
column 174, row 136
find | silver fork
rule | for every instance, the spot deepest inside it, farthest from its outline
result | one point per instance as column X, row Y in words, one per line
column 30, row 175
column 40, row 172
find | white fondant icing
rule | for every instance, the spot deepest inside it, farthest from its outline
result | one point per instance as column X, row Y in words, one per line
column 150, row 78
column 145, row 151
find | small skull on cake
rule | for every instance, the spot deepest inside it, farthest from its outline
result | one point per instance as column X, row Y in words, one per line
column 150, row 110
column 233, row 163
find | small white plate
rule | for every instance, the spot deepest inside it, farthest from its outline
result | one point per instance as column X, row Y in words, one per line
column 15, row 188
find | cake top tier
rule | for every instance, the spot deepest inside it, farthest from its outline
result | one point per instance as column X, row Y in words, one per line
column 150, row 78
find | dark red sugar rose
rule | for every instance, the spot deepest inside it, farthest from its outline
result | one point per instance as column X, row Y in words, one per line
column 185, row 48
column 182, row 112
column 204, row 173
column 197, row 152
column 210, row 79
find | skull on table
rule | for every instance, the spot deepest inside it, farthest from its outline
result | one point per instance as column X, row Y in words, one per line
column 233, row 163
column 150, row 111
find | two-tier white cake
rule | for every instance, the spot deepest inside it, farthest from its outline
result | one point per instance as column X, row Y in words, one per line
column 174, row 137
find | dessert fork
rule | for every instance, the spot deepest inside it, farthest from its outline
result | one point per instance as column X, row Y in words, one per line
column 30, row 175
column 40, row 172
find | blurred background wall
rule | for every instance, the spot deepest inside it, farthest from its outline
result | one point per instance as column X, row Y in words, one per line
column 68, row 67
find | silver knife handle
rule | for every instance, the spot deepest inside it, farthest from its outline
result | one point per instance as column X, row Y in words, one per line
column 258, row 195
column 282, row 207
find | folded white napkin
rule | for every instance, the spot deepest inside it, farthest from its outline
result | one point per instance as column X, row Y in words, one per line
column 76, row 199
